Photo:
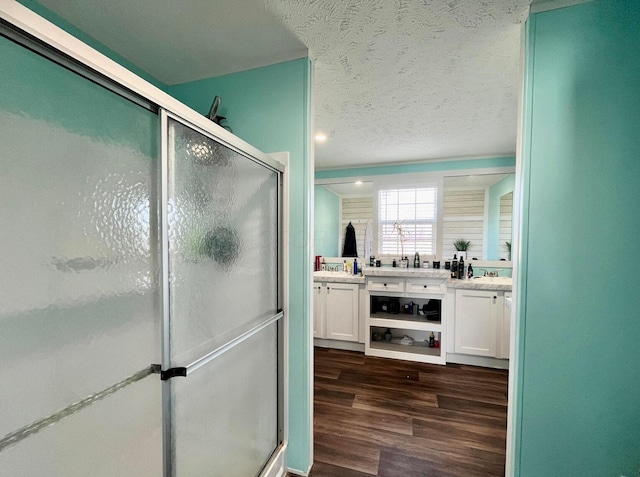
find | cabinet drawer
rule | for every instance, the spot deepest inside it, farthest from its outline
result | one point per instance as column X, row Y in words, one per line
column 425, row 285
column 385, row 284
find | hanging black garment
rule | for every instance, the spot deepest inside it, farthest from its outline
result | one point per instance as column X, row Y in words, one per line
column 350, row 249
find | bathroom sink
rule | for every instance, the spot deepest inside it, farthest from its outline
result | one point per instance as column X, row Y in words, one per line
column 494, row 280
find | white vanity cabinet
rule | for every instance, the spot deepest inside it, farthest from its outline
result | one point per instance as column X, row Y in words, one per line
column 335, row 311
column 478, row 322
column 407, row 287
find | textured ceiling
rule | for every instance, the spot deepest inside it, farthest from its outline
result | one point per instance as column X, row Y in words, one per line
column 395, row 80
column 411, row 80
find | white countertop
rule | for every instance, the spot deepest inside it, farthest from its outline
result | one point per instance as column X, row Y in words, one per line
column 482, row 283
column 478, row 283
column 406, row 272
column 337, row 277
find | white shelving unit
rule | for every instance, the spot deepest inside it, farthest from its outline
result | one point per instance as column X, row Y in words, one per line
column 421, row 290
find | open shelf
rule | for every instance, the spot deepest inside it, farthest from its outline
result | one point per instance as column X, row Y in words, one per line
column 418, row 347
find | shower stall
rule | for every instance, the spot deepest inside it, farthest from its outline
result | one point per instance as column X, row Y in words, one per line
column 141, row 310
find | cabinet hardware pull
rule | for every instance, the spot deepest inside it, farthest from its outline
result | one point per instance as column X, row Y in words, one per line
column 495, row 297
column 425, row 286
column 385, row 284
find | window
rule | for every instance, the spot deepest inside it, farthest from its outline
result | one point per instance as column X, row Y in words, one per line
column 415, row 210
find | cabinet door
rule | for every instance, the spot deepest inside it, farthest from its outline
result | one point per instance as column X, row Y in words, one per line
column 476, row 322
column 506, row 327
column 318, row 311
column 342, row 311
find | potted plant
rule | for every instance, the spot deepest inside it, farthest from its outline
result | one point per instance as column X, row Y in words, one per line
column 508, row 250
column 462, row 246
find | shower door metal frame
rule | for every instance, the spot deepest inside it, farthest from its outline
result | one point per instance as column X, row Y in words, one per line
column 70, row 52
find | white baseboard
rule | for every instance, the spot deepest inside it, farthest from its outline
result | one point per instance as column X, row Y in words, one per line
column 301, row 473
column 483, row 361
column 336, row 344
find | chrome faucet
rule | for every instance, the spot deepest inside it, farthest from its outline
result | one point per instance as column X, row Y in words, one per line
column 494, row 273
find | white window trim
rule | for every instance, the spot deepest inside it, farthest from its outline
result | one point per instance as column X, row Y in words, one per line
column 409, row 181
column 409, row 239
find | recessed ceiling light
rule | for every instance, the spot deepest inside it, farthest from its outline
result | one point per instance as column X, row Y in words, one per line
column 321, row 137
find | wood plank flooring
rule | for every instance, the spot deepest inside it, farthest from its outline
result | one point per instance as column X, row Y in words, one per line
column 393, row 418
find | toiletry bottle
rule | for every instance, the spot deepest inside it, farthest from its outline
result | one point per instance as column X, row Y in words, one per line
column 394, row 264
column 461, row 274
column 344, row 266
column 324, row 265
column 470, row 272
column 355, row 266
column 454, row 267
column 416, row 260
column 372, row 261
column 432, row 340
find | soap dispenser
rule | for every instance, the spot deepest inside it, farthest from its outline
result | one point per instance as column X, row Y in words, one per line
column 416, row 260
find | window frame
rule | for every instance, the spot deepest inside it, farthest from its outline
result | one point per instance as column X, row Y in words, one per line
column 410, row 238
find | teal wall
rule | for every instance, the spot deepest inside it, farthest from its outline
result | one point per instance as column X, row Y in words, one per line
column 269, row 108
column 54, row 18
column 496, row 191
column 326, row 218
column 92, row 112
column 440, row 166
column 578, row 380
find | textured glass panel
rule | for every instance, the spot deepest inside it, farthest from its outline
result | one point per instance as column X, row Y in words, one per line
column 223, row 243
column 120, row 435
column 79, row 304
column 225, row 422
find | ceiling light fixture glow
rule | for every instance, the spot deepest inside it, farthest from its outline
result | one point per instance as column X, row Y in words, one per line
column 321, row 137
column 358, row 182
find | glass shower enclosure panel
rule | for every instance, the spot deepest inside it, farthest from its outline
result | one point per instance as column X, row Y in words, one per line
column 222, row 217
column 80, row 302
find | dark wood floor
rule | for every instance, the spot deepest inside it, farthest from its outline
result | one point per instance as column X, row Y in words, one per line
column 393, row 418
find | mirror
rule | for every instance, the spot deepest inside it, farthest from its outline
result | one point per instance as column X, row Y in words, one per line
column 479, row 209
column 336, row 205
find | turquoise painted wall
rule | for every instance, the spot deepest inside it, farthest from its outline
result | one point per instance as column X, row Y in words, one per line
column 454, row 165
column 496, row 191
column 269, row 108
column 54, row 18
column 578, row 395
column 326, row 218
column 93, row 113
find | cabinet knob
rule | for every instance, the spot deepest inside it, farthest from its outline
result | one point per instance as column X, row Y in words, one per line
column 385, row 285
column 425, row 286
column 495, row 297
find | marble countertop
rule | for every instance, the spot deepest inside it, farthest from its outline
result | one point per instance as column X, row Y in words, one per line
column 482, row 283
column 406, row 272
column 337, row 277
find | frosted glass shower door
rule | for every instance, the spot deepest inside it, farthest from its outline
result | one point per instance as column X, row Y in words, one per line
column 80, row 301
column 222, row 216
